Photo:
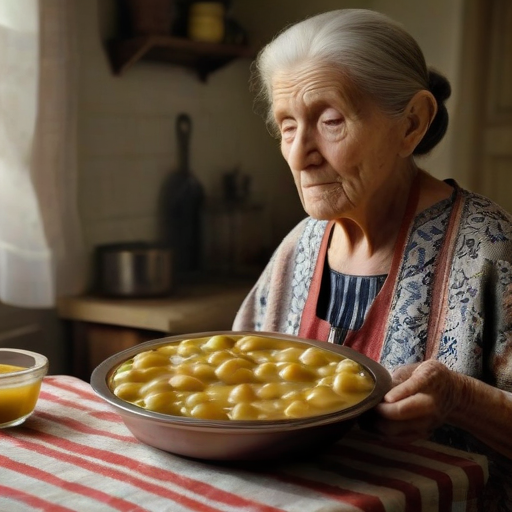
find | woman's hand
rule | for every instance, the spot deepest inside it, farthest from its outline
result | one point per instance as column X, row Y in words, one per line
column 428, row 394
column 423, row 398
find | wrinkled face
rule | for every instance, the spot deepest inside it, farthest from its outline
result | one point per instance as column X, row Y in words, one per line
column 342, row 151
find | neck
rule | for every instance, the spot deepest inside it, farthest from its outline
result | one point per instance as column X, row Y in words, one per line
column 363, row 242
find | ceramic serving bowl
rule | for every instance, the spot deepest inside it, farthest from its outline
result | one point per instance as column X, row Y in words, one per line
column 21, row 374
column 234, row 439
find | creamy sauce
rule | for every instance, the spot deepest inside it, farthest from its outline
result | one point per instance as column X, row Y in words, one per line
column 241, row 378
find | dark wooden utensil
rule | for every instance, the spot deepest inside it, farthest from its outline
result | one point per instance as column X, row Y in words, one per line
column 181, row 203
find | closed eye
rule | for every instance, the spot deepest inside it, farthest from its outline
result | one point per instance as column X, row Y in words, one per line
column 288, row 129
column 333, row 122
column 331, row 118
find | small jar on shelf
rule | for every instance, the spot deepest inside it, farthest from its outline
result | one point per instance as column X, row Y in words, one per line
column 206, row 22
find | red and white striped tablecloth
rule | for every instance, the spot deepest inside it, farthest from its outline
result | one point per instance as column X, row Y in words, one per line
column 75, row 454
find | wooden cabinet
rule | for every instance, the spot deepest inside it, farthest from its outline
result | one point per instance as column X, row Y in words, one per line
column 92, row 343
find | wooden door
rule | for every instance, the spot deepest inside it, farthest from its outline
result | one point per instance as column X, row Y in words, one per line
column 495, row 176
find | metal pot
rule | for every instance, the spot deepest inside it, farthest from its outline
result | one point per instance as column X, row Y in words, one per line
column 134, row 269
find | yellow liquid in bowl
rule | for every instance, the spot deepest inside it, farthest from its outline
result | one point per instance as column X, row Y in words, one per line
column 8, row 368
column 17, row 402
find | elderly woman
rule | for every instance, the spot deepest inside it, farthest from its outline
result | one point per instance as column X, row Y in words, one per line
column 410, row 270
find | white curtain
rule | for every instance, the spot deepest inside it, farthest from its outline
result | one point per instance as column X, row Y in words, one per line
column 41, row 254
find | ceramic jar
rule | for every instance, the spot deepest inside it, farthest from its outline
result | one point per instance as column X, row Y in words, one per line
column 206, row 22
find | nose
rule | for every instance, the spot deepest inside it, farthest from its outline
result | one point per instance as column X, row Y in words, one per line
column 303, row 151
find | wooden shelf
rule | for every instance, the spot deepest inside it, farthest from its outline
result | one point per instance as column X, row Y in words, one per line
column 204, row 58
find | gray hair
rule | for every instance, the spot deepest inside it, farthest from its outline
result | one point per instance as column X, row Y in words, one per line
column 379, row 57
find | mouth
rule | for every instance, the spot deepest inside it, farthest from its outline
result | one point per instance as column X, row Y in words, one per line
column 318, row 184
column 322, row 184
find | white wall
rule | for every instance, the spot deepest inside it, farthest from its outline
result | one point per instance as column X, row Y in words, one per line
column 265, row 18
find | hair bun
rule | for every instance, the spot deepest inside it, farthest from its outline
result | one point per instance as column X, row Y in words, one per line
column 439, row 86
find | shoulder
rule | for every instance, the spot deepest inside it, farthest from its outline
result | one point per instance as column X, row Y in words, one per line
column 485, row 207
column 274, row 296
column 307, row 227
column 305, row 235
column 487, row 223
column 290, row 249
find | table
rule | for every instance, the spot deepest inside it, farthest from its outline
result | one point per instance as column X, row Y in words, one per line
column 74, row 453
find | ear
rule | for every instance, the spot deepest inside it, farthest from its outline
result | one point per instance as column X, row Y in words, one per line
column 417, row 117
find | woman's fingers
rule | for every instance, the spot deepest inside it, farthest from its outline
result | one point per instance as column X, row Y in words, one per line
column 404, row 384
column 402, row 373
column 430, row 377
column 420, row 402
column 411, row 407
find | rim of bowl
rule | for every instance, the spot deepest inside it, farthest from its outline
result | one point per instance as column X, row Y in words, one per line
column 37, row 370
column 103, row 372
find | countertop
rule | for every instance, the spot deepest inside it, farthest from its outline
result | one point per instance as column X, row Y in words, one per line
column 208, row 307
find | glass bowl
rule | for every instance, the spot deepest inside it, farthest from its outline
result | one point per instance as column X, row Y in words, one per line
column 212, row 439
column 21, row 374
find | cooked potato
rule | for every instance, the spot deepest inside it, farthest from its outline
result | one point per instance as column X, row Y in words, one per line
column 186, row 383
column 347, row 365
column 122, row 376
column 297, row 409
column 158, row 385
column 348, row 382
column 209, row 411
column 289, row 355
column 244, row 411
column 218, row 391
column 128, row 391
column 323, row 397
column 278, row 389
column 218, row 343
column 134, row 375
column 168, row 350
column 242, row 393
column 157, row 372
column 253, row 343
column 204, row 372
column 217, row 358
column 271, row 409
column 313, row 357
column 297, row 373
column 164, row 402
column 327, row 370
column 196, row 398
column 189, row 348
column 150, row 359
column 235, row 371
column 267, row 372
